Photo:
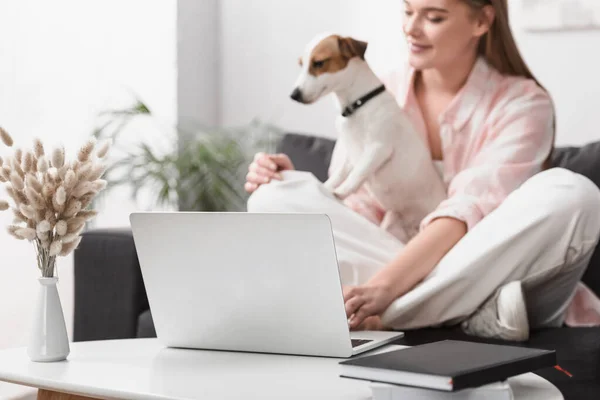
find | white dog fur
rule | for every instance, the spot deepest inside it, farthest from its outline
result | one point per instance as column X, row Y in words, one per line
column 381, row 148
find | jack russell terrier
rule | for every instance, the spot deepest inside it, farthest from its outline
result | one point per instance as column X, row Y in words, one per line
column 381, row 148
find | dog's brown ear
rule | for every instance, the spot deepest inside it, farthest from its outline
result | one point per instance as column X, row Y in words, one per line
column 352, row 48
column 300, row 61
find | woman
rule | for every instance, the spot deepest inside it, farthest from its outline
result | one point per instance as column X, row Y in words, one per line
column 507, row 248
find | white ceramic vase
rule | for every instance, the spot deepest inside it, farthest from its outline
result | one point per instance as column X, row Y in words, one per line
column 48, row 340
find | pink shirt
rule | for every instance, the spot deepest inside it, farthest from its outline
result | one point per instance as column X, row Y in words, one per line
column 495, row 134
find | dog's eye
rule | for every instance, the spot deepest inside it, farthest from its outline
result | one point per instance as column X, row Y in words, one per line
column 318, row 64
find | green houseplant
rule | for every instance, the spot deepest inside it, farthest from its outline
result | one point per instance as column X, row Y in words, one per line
column 198, row 169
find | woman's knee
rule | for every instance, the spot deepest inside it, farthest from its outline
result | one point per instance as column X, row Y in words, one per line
column 262, row 199
column 565, row 190
column 565, row 193
column 281, row 196
column 271, row 197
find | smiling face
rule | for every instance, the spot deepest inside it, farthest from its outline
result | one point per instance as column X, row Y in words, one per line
column 441, row 31
column 325, row 64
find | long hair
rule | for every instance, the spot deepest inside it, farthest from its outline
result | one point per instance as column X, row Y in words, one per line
column 500, row 50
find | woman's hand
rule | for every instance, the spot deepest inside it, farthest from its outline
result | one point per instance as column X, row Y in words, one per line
column 264, row 168
column 365, row 301
column 412, row 264
column 371, row 324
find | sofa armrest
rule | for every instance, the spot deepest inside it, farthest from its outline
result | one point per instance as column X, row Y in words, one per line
column 109, row 290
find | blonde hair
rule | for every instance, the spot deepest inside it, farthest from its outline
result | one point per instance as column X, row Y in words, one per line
column 500, row 50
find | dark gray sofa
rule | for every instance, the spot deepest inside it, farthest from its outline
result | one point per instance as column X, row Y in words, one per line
column 111, row 303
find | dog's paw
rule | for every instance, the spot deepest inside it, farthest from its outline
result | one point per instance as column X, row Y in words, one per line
column 342, row 191
column 329, row 185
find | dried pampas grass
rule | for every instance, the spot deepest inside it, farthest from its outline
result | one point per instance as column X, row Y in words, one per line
column 50, row 195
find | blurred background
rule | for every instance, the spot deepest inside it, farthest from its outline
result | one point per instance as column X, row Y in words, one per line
column 218, row 64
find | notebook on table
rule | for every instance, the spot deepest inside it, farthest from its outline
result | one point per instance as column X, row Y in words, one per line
column 448, row 365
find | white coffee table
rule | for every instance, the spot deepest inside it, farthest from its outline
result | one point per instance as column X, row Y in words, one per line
column 144, row 369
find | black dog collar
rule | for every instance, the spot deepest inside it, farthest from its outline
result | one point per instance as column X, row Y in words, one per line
column 349, row 110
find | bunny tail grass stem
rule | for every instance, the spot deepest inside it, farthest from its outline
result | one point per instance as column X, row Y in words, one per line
column 46, row 262
column 38, row 253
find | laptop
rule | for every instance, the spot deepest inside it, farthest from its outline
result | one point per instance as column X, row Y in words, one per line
column 249, row 282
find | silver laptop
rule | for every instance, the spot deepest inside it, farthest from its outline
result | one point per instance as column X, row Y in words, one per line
column 248, row 282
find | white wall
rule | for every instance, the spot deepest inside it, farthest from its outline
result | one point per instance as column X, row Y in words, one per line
column 568, row 65
column 262, row 39
column 198, row 56
column 60, row 63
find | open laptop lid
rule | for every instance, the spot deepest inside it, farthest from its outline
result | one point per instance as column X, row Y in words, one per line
column 243, row 281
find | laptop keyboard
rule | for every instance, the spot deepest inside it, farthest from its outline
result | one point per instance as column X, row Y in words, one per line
column 358, row 342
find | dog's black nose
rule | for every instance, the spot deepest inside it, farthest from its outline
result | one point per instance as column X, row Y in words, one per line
column 296, row 95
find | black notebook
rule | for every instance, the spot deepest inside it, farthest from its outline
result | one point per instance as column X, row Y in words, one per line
column 448, row 365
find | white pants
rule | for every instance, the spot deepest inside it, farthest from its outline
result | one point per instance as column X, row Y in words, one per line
column 543, row 235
